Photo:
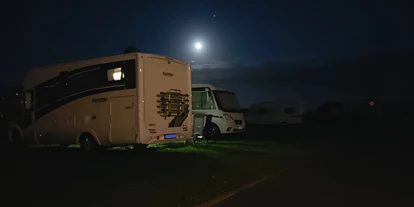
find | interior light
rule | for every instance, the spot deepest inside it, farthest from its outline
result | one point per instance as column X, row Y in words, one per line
column 117, row 75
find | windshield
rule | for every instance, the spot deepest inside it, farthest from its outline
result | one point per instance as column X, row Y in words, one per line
column 227, row 101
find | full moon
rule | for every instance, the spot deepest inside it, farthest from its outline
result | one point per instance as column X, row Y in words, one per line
column 198, row 45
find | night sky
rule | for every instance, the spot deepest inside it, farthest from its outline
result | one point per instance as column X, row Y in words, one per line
column 244, row 35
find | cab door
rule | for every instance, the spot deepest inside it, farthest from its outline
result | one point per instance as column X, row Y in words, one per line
column 28, row 118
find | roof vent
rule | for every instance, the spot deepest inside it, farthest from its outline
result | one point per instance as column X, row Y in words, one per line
column 130, row 50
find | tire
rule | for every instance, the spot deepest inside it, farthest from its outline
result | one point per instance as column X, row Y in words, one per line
column 15, row 137
column 88, row 143
column 140, row 147
column 211, row 132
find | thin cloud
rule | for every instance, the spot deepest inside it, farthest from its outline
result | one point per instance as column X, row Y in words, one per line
column 212, row 64
column 379, row 78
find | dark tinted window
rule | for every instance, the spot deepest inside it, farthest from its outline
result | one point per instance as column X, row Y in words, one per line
column 227, row 101
column 46, row 94
column 86, row 79
column 101, row 76
column 130, row 74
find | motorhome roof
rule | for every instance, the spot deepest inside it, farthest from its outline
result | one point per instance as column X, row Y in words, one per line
column 212, row 87
column 38, row 75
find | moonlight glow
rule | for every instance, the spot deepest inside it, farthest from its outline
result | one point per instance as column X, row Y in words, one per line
column 198, row 46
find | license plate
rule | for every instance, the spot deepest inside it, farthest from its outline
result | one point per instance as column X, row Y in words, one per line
column 170, row 136
column 240, row 127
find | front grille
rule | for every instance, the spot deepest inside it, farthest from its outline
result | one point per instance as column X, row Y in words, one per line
column 238, row 122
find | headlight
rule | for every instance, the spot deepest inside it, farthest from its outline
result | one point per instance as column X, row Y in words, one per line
column 228, row 117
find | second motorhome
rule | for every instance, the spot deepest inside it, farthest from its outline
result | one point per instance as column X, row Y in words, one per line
column 272, row 113
column 133, row 98
column 222, row 105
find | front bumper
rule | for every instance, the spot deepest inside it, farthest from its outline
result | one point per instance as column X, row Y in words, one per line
column 232, row 128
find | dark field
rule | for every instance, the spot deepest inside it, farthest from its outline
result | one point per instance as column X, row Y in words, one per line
column 328, row 167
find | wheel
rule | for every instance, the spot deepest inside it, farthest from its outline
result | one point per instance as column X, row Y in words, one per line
column 211, row 132
column 15, row 137
column 142, row 148
column 139, row 147
column 88, row 143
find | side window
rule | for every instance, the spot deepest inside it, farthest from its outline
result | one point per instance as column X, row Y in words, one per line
column 94, row 78
column 119, row 74
column 129, row 69
column 46, row 94
column 124, row 73
column 84, row 81
column 196, row 96
column 115, row 74
column 201, row 100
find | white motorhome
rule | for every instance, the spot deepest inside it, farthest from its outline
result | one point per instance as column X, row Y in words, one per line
column 132, row 98
column 222, row 105
column 272, row 113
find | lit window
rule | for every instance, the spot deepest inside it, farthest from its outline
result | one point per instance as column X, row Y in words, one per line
column 28, row 100
column 115, row 74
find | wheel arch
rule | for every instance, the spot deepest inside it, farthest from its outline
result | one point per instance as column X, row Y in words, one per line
column 88, row 132
column 14, row 126
column 210, row 124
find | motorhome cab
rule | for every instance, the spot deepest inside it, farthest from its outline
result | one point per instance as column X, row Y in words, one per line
column 222, row 104
column 132, row 98
column 271, row 113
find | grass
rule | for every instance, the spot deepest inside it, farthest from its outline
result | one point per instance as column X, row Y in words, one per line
column 169, row 175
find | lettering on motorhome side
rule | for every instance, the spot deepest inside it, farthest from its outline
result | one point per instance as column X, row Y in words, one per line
column 167, row 74
column 99, row 100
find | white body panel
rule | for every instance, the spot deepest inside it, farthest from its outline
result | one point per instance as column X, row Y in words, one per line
column 228, row 121
column 270, row 113
column 115, row 114
column 160, row 76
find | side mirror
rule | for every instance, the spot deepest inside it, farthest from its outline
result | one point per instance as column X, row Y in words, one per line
column 28, row 100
